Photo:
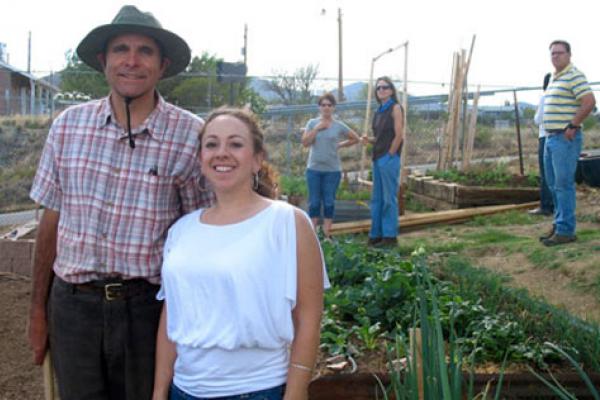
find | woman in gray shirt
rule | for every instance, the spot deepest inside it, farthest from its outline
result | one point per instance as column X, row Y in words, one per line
column 324, row 136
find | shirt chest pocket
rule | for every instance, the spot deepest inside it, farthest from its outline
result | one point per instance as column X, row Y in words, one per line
column 153, row 199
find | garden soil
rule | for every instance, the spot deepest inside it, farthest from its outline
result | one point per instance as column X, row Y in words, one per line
column 563, row 286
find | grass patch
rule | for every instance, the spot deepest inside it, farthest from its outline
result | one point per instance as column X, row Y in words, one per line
column 512, row 217
column 586, row 235
column 541, row 257
column 593, row 218
column 492, row 236
column 406, row 247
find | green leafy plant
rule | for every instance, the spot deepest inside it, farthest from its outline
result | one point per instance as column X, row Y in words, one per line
column 486, row 174
column 557, row 388
column 292, row 185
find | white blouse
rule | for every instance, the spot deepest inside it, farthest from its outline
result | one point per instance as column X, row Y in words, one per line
column 230, row 291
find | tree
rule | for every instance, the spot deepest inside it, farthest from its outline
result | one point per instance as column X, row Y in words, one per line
column 296, row 88
column 77, row 77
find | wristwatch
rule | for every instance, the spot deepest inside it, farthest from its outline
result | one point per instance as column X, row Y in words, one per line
column 573, row 126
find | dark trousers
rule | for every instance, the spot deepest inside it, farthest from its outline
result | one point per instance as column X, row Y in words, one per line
column 546, row 203
column 103, row 349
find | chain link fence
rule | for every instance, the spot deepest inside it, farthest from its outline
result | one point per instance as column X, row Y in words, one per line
column 496, row 138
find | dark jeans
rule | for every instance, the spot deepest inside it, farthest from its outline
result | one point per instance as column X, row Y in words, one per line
column 275, row 393
column 103, row 349
column 546, row 203
column 322, row 186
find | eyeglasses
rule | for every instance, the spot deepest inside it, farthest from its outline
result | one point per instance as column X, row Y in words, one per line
column 325, row 105
column 383, row 87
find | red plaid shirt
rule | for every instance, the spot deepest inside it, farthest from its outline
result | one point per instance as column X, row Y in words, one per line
column 116, row 203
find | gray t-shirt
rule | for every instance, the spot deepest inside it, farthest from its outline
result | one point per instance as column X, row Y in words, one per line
column 323, row 154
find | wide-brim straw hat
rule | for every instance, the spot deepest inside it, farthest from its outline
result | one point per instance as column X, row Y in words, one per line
column 131, row 20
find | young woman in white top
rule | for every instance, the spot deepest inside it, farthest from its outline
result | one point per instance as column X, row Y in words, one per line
column 242, row 281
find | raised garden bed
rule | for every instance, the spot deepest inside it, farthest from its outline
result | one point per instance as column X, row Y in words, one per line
column 365, row 386
column 442, row 195
column 377, row 295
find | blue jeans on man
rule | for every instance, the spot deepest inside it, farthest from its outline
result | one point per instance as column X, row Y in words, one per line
column 322, row 187
column 546, row 203
column 560, row 163
column 384, row 197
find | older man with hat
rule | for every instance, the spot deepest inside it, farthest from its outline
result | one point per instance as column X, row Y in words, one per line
column 115, row 173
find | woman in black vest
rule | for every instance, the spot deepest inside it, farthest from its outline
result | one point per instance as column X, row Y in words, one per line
column 388, row 131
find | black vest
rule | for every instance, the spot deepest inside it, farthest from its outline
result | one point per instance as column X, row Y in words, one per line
column 383, row 129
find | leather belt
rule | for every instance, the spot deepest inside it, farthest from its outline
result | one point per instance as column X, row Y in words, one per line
column 114, row 289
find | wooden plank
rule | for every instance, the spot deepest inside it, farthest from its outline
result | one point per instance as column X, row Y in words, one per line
column 426, row 219
column 414, row 184
column 476, row 195
column 440, row 190
column 435, row 204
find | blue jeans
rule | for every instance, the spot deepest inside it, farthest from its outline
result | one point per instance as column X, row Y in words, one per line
column 322, row 186
column 384, row 197
column 546, row 203
column 275, row 393
column 560, row 163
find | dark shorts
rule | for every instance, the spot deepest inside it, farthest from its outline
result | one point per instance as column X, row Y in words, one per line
column 103, row 346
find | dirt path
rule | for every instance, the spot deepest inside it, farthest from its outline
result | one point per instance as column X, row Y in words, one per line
column 19, row 378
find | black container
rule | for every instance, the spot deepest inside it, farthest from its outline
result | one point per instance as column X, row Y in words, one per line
column 589, row 170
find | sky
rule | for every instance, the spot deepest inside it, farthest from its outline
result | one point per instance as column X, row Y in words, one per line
column 511, row 47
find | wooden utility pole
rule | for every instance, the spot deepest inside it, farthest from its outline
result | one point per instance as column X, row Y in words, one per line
column 340, row 62
column 245, row 49
column 29, row 53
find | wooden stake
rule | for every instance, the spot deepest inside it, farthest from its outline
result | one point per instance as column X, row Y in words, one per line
column 416, row 344
column 470, row 139
column 441, row 164
column 405, row 143
column 460, row 109
column 518, row 126
column 363, row 153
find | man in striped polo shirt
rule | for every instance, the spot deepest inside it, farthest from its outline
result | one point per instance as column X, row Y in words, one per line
column 114, row 175
column 567, row 102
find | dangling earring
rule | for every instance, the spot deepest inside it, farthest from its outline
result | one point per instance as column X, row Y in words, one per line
column 255, row 178
column 203, row 185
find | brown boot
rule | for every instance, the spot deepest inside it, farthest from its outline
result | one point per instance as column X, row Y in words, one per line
column 555, row 240
column 549, row 234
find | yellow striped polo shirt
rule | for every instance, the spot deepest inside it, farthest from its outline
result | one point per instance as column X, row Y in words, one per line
column 563, row 97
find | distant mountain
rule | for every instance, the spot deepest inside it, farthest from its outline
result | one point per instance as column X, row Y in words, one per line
column 260, row 87
column 353, row 92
